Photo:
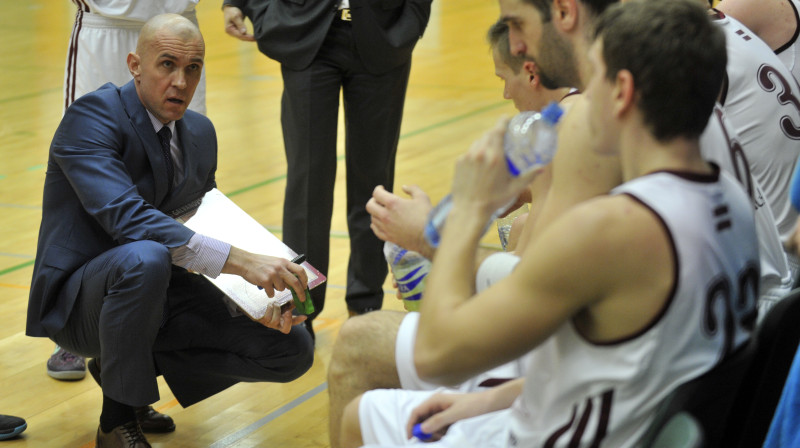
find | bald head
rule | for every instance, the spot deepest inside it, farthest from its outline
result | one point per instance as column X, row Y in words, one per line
column 168, row 26
column 167, row 64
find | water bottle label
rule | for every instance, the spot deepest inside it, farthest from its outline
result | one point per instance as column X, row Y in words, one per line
column 414, row 297
column 412, row 284
column 408, row 276
column 408, row 284
column 399, row 255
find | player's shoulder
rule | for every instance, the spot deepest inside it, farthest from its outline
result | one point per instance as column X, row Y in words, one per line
column 607, row 224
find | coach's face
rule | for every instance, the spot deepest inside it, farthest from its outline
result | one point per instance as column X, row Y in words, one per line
column 167, row 70
column 536, row 38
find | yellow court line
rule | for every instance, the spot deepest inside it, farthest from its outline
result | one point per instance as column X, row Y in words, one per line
column 10, row 285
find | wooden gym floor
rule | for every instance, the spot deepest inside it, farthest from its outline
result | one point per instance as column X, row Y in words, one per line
column 453, row 97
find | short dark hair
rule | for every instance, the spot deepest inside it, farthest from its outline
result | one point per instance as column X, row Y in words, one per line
column 596, row 7
column 498, row 39
column 677, row 58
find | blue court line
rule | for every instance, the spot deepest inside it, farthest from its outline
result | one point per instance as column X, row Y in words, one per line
column 385, row 291
column 253, row 427
column 402, row 136
column 9, row 254
column 409, row 134
column 25, row 207
column 413, row 133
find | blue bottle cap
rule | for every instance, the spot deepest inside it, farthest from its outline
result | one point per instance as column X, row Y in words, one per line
column 419, row 433
column 552, row 113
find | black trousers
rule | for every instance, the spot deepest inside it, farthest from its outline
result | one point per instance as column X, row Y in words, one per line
column 373, row 110
column 143, row 317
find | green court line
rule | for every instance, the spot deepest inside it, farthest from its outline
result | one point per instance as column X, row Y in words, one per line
column 440, row 124
column 29, row 95
column 283, row 176
column 455, row 119
column 16, row 268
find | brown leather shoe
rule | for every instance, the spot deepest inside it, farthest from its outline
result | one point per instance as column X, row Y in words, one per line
column 128, row 435
column 153, row 421
column 149, row 419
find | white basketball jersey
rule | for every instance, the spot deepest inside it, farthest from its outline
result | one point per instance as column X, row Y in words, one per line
column 789, row 53
column 136, row 11
column 762, row 101
column 584, row 394
column 104, row 32
column 719, row 144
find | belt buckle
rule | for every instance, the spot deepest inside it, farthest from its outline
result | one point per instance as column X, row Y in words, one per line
column 346, row 15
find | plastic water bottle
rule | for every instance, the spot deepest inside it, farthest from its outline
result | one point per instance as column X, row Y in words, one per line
column 529, row 142
column 410, row 270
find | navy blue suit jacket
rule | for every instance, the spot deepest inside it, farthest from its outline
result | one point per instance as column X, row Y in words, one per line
column 106, row 185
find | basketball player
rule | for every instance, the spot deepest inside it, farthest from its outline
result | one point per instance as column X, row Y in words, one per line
column 762, row 100
column 578, row 174
column 609, row 348
column 522, row 86
column 776, row 22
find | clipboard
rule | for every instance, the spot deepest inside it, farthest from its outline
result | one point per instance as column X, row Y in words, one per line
column 218, row 217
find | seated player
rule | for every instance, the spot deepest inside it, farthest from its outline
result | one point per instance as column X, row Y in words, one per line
column 609, row 348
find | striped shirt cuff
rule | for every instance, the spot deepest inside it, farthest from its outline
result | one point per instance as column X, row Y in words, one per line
column 202, row 254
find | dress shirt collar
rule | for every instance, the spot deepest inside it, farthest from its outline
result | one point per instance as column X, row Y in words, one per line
column 157, row 124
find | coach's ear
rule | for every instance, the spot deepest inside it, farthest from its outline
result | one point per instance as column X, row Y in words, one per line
column 565, row 14
column 134, row 65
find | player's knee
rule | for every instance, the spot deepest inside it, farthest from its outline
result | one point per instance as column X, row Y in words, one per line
column 346, row 354
column 352, row 332
column 353, row 345
column 364, row 351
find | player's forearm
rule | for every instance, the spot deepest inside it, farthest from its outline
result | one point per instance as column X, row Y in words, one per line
column 449, row 285
column 503, row 396
column 452, row 275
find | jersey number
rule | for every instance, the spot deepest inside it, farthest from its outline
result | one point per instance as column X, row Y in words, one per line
column 578, row 426
column 741, row 308
column 767, row 77
column 741, row 167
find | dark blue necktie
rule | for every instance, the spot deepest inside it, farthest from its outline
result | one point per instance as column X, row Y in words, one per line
column 164, row 135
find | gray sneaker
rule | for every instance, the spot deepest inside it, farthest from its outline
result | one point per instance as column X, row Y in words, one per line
column 11, row 426
column 64, row 365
